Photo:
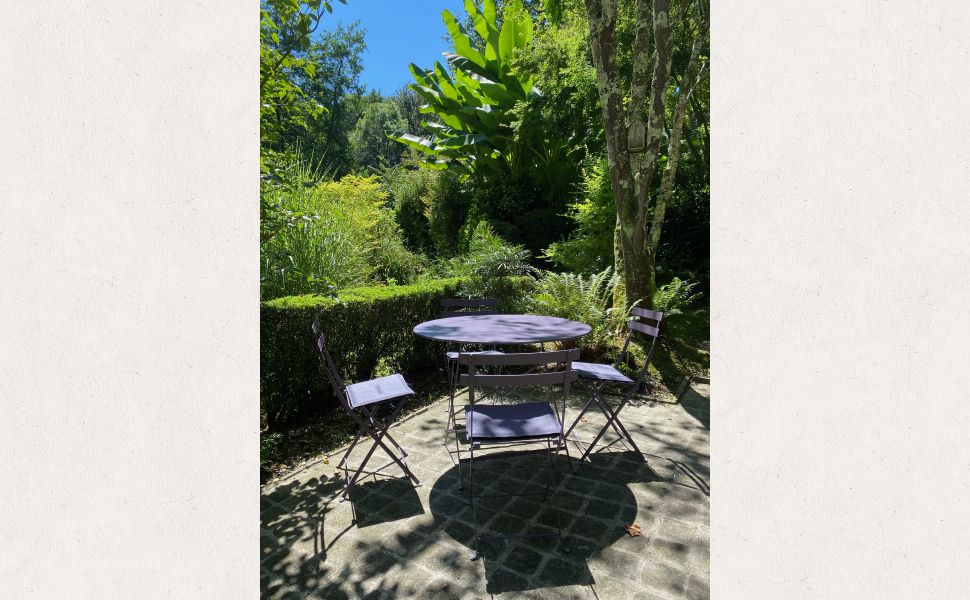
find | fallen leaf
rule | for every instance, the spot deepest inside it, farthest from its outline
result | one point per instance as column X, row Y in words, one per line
column 633, row 530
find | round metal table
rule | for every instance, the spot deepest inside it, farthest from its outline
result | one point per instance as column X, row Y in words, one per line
column 501, row 329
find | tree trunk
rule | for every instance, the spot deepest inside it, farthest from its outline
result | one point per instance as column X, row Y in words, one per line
column 618, row 291
column 637, row 235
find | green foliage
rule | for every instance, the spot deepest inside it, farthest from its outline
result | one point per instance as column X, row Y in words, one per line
column 369, row 332
column 338, row 235
column 585, row 299
column 675, row 297
column 590, row 247
column 474, row 102
column 563, row 126
column 488, row 264
column 270, row 448
column 284, row 34
column 337, row 58
column 430, row 206
column 370, row 146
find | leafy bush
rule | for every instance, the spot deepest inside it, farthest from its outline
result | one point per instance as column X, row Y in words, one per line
column 339, row 235
column 270, row 446
column 473, row 100
column 671, row 299
column 590, row 248
column 488, row 265
column 429, row 206
column 585, row 299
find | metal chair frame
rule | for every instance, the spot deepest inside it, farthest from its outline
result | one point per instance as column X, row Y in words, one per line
column 461, row 307
column 475, row 378
column 612, row 415
column 368, row 422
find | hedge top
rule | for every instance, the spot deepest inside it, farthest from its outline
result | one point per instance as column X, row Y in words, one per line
column 360, row 294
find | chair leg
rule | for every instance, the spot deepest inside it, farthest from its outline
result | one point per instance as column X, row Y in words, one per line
column 385, row 433
column 579, row 416
column 360, row 431
column 471, row 496
column 352, row 480
column 555, row 500
column 614, row 420
column 461, row 477
column 450, row 417
column 611, row 419
column 377, row 434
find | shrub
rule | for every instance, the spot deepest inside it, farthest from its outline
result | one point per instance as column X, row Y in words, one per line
column 429, row 206
column 584, row 299
column 369, row 331
column 671, row 299
column 488, row 264
column 590, row 248
column 340, row 235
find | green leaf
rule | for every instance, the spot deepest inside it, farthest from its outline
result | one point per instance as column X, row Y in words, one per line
column 413, row 141
column 516, row 30
column 488, row 8
column 462, row 63
column 462, row 44
column 462, row 141
column 486, row 28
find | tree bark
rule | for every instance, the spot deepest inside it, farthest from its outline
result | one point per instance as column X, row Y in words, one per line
column 694, row 71
column 632, row 174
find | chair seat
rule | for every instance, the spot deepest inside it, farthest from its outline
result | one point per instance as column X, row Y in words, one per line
column 377, row 390
column 454, row 355
column 600, row 372
column 511, row 421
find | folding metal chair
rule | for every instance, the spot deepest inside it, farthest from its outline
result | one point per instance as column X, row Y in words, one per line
column 363, row 401
column 601, row 375
column 489, row 426
column 461, row 307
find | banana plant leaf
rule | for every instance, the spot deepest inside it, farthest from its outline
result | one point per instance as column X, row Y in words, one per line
column 419, row 143
column 463, row 45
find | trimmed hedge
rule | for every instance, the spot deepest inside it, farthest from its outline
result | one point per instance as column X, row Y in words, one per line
column 369, row 332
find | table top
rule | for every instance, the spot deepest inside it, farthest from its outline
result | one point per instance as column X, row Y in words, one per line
column 501, row 329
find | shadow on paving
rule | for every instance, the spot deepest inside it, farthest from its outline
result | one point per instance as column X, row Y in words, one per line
column 383, row 501
column 391, row 540
column 595, row 503
column 516, row 565
column 698, row 406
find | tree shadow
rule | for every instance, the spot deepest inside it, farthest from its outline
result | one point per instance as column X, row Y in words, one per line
column 697, row 405
column 383, row 501
column 684, row 348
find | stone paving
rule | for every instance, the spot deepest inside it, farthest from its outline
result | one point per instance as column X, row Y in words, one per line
column 409, row 542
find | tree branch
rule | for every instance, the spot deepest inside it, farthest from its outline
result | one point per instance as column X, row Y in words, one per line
column 695, row 71
column 602, row 29
column 663, row 44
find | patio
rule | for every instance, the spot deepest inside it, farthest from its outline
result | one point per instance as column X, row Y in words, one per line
column 415, row 542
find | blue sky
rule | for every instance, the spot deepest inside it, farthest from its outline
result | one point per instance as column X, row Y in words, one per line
column 399, row 32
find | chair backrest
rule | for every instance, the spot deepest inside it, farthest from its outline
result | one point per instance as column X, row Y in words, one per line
column 651, row 332
column 563, row 376
column 459, row 307
column 333, row 375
